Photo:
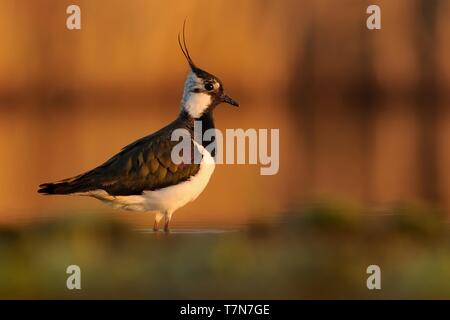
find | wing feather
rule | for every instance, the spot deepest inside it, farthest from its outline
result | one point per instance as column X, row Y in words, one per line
column 145, row 164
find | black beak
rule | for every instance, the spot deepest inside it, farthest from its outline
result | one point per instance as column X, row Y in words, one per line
column 228, row 100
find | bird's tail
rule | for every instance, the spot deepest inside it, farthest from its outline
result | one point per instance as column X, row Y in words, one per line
column 67, row 186
column 56, row 188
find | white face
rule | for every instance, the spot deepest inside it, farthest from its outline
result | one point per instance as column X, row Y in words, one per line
column 195, row 98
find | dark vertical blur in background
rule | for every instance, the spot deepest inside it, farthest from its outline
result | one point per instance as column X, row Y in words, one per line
column 363, row 115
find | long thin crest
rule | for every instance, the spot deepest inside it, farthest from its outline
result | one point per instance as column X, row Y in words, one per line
column 183, row 46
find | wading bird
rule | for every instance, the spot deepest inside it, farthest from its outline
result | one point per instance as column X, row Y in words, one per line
column 142, row 176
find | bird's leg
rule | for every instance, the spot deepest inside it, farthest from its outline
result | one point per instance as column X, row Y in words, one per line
column 167, row 218
column 158, row 218
column 166, row 226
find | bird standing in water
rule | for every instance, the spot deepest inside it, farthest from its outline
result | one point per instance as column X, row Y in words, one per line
column 142, row 176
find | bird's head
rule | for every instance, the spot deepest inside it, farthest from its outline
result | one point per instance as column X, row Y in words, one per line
column 202, row 90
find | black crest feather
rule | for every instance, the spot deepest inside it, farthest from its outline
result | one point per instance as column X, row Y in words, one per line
column 183, row 46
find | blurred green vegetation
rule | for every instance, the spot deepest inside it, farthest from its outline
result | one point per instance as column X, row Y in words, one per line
column 319, row 249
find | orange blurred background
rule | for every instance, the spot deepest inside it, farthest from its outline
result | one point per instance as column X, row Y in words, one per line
column 363, row 115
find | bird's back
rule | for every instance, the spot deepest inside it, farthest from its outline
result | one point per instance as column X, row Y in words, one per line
column 143, row 165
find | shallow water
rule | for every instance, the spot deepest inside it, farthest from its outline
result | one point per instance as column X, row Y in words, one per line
column 189, row 231
column 42, row 145
column 327, row 158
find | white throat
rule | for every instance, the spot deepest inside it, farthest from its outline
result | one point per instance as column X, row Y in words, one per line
column 194, row 103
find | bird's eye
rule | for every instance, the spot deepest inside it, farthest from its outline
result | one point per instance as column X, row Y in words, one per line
column 209, row 86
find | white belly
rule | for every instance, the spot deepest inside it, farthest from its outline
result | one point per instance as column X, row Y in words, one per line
column 166, row 199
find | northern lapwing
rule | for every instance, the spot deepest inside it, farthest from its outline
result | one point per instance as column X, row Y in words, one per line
column 142, row 176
